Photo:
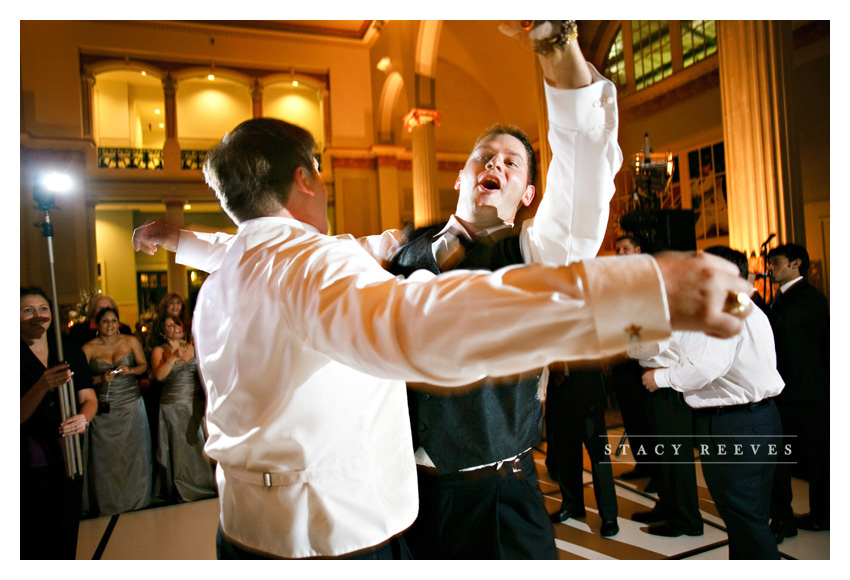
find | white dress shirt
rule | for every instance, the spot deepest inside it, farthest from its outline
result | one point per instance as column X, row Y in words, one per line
column 714, row 372
column 304, row 343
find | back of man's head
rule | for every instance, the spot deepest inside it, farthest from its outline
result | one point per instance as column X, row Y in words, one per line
column 734, row 256
column 253, row 168
column 792, row 252
column 517, row 133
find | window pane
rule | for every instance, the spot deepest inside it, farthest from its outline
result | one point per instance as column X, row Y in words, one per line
column 652, row 56
column 699, row 40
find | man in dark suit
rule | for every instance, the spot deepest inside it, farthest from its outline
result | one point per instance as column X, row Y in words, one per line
column 634, row 401
column 800, row 319
column 575, row 415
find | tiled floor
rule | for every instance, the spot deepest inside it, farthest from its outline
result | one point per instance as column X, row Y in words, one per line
column 580, row 539
column 187, row 531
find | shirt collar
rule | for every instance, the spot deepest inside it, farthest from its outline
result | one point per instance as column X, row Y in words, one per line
column 280, row 219
column 784, row 288
column 456, row 227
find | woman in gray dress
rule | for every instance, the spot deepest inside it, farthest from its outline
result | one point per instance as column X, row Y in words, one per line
column 183, row 471
column 120, row 473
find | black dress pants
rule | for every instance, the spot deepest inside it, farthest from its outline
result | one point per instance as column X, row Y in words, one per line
column 634, row 402
column 500, row 517
column 735, row 451
column 575, row 415
column 677, row 479
column 394, row 549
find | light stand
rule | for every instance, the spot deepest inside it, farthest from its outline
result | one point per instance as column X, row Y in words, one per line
column 67, row 399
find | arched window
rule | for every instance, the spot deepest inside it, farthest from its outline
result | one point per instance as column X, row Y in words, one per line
column 614, row 66
column 648, row 46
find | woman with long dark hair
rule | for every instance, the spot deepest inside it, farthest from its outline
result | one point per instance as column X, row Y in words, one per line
column 51, row 502
column 121, row 464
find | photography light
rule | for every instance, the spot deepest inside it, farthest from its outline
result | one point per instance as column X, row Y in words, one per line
column 44, row 195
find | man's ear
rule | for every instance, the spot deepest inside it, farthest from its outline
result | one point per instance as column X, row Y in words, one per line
column 304, row 180
column 796, row 263
column 457, row 181
column 528, row 196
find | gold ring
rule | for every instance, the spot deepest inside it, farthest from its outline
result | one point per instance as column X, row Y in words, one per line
column 737, row 303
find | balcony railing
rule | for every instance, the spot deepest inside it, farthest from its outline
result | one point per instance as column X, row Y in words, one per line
column 192, row 158
column 128, row 158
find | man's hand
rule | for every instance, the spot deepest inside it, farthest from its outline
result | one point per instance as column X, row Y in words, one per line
column 648, row 378
column 563, row 68
column 146, row 238
column 698, row 289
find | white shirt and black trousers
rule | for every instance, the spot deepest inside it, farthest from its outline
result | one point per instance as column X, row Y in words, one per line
column 730, row 384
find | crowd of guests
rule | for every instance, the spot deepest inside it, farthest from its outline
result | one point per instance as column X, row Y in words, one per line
column 130, row 462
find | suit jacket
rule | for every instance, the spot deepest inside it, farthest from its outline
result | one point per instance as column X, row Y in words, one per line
column 800, row 321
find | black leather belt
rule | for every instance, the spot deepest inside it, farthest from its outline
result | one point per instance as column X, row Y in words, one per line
column 512, row 467
column 733, row 408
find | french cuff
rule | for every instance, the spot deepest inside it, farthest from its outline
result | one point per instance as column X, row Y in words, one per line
column 589, row 107
column 662, row 379
column 627, row 301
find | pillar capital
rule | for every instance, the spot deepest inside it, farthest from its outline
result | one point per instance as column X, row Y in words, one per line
column 418, row 117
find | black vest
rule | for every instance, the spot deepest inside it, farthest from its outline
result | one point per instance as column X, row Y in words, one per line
column 500, row 416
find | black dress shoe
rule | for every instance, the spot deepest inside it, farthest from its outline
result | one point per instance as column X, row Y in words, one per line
column 782, row 529
column 808, row 523
column 609, row 528
column 633, row 474
column 669, row 531
column 649, row 517
column 566, row 514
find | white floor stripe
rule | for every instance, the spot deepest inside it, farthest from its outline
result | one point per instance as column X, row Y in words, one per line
column 581, row 551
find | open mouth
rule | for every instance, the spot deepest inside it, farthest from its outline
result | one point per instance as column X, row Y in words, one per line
column 490, row 183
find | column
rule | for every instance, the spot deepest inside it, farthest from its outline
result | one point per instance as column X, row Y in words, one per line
column 257, row 98
column 177, row 281
column 542, row 129
column 426, row 194
column 762, row 160
column 389, row 191
column 88, row 81
column 171, row 149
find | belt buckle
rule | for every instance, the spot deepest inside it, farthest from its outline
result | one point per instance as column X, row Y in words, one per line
column 516, row 467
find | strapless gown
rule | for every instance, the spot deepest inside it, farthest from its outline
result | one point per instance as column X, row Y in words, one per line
column 120, row 461
column 183, row 471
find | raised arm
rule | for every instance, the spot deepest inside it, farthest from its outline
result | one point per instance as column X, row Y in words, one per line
column 572, row 217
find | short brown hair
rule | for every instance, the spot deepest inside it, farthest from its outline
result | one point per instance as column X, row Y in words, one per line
column 253, row 168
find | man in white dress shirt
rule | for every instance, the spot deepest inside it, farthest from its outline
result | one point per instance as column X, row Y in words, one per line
column 304, row 343
column 730, row 383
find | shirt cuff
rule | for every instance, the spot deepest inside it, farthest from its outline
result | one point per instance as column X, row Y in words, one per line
column 590, row 107
column 626, row 319
column 662, row 378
